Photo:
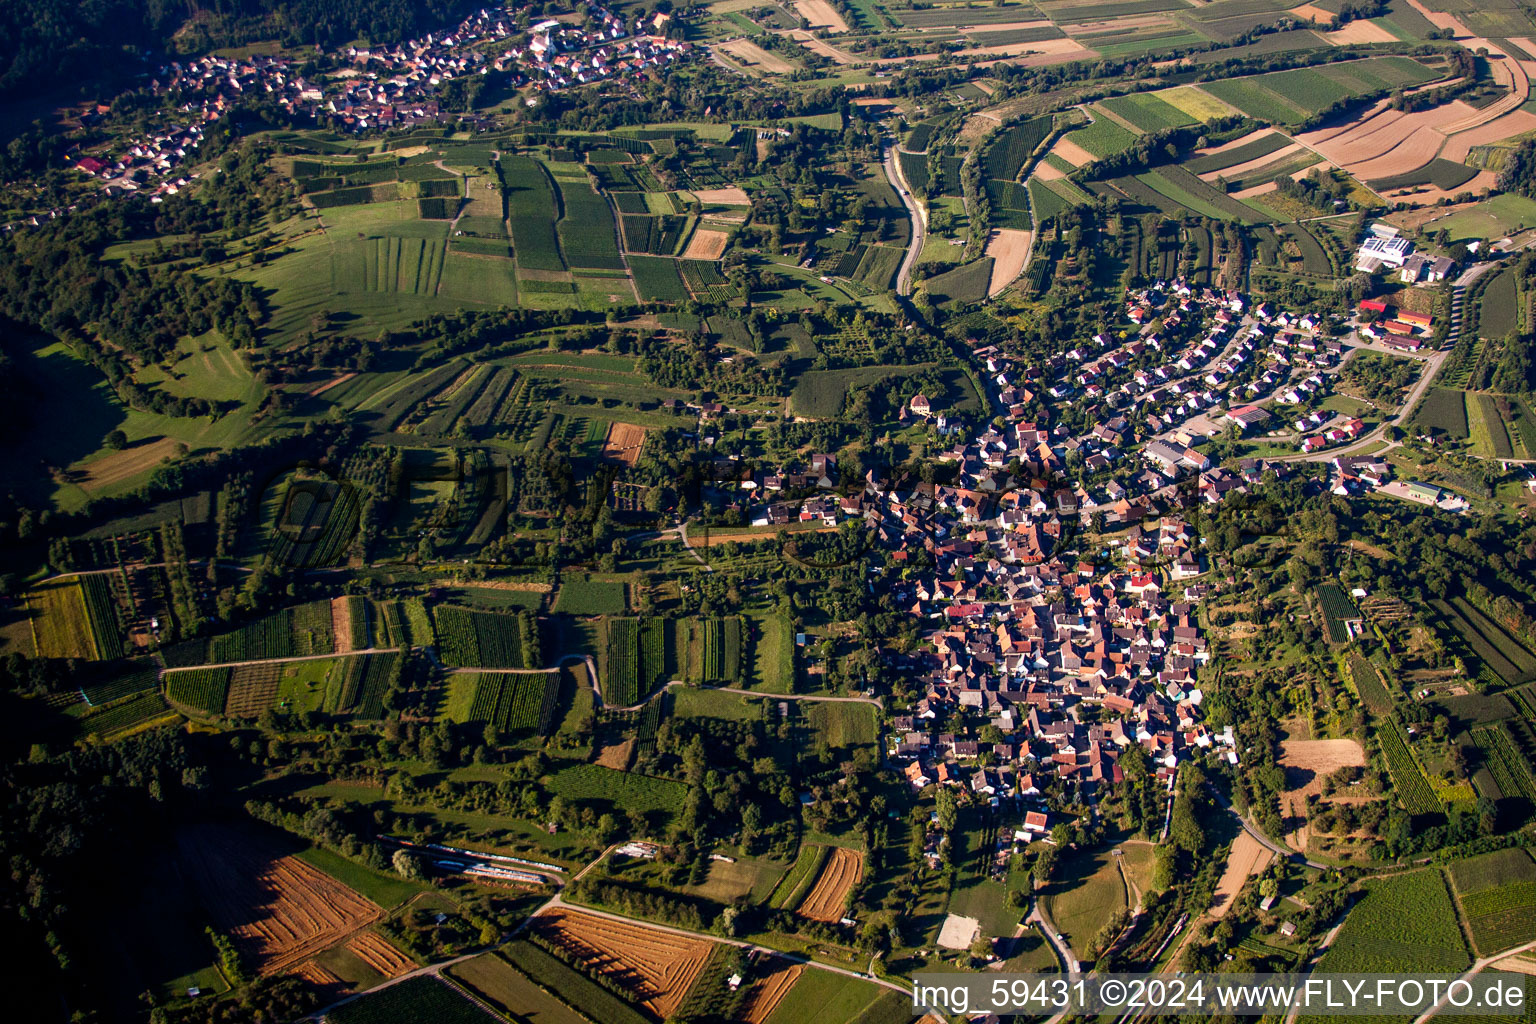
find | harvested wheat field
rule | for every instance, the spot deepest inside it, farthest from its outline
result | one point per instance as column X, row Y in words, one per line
column 277, row 909
column 318, row 976
column 1035, row 54
column 623, row 442
column 657, row 967
column 829, row 896
column 1072, row 153
column 1359, row 31
column 1009, row 248
column 1046, row 172
column 732, row 196
column 766, row 993
column 1248, row 857
column 820, row 14
column 706, row 245
column 380, row 954
column 341, row 624
column 754, row 56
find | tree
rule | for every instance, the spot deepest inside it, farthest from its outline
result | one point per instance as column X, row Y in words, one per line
column 116, row 440
column 406, row 866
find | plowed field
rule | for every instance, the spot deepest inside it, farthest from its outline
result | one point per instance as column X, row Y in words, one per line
column 377, row 952
column 828, row 897
column 658, row 967
column 277, row 909
column 765, row 995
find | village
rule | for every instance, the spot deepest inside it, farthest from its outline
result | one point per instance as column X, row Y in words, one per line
column 378, row 88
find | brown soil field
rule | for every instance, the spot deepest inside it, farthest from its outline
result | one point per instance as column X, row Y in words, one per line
column 731, row 196
column 823, row 47
column 252, row 689
column 617, row 755
column 322, row 388
column 1072, row 153
column 1305, row 763
column 318, row 976
column 1240, row 141
column 113, row 469
column 1237, row 170
column 624, row 442
column 1311, row 13
column 706, row 245
column 277, row 909
column 754, row 56
column 341, row 624
column 1413, row 152
column 1009, row 248
column 1359, row 31
column 1428, row 195
column 1517, row 123
column 838, row 875
column 1045, row 172
column 380, row 954
column 1006, row 26
column 1248, row 857
column 1036, row 54
column 1506, row 72
column 658, row 967
column 1440, row 20
column 768, row 991
column 820, row 14
column 1083, row 28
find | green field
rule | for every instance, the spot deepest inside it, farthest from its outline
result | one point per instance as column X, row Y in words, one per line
column 1103, row 137
column 1146, row 111
column 1404, row 924
column 579, row 596
column 618, row 791
column 1498, row 897
column 820, row 997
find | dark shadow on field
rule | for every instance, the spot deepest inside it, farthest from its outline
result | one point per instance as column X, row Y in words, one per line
column 62, row 408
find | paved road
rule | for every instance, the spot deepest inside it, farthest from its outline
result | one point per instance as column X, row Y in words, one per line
column 919, row 222
column 1284, row 852
column 1431, row 370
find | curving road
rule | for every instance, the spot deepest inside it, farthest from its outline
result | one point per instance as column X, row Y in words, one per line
column 919, row 222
